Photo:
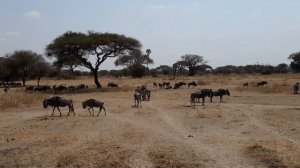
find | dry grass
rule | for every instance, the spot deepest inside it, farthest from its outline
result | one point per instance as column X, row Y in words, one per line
column 15, row 100
column 268, row 157
column 167, row 157
column 96, row 154
column 270, row 89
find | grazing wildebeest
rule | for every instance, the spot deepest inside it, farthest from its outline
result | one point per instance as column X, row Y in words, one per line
column 296, row 88
column 43, row 88
column 137, row 99
column 221, row 93
column 179, row 85
column 57, row 102
column 110, row 84
column 245, row 84
column 194, row 84
column 91, row 103
column 71, row 88
column 29, row 88
column 59, row 89
column 261, row 83
column 82, row 86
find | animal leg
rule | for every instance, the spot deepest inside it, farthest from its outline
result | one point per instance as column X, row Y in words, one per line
column 53, row 111
column 59, row 111
column 93, row 110
column 90, row 111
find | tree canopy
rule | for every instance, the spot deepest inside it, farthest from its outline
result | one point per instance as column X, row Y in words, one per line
column 295, row 64
column 22, row 64
column 134, row 61
column 92, row 48
column 191, row 61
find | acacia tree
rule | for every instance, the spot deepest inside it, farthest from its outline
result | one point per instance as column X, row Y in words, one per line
column 178, row 66
column 295, row 64
column 192, row 61
column 134, row 62
column 92, row 49
column 22, row 63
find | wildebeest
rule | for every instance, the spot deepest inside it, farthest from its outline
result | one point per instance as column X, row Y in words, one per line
column 29, row 88
column 179, row 85
column 71, row 88
column 245, row 84
column 137, row 99
column 57, row 102
column 296, row 88
column 43, row 88
column 82, row 86
column 59, row 89
column 193, row 83
column 91, row 103
column 261, row 83
column 221, row 93
column 110, row 84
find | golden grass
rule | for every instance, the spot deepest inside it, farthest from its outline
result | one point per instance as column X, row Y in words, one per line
column 21, row 99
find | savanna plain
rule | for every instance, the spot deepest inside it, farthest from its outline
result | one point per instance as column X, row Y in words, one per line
column 253, row 127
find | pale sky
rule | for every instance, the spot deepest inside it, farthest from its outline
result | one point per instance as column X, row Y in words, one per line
column 224, row 32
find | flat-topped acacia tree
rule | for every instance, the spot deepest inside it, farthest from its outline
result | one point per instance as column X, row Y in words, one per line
column 91, row 49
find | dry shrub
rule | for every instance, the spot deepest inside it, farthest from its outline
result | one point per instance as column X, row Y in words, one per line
column 13, row 100
column 266, row 156
column 167, row 157
column 270, row 88
column 203, row 82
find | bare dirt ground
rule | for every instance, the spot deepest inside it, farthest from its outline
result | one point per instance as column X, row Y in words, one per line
column 254, row 127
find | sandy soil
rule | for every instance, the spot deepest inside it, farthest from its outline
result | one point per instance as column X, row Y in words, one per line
column 254, row 127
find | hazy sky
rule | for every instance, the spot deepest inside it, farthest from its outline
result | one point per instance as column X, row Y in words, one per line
column 224, row 32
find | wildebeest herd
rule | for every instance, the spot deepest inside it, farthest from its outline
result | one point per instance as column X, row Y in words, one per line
column 141, row 94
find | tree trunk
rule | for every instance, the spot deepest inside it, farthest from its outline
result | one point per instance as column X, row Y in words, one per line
column 97, row 83
column 24, row 81
column 192, row 72
column 38, row 81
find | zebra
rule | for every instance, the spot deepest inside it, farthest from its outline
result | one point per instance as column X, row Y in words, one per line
column 91, row 103
column 137, row 99
column 57, row 102
column 245, row 84
column 146, row 93
column 196, row 96
column 221, row 93
column 6, row 88
column 261, row 83
column 296, row 88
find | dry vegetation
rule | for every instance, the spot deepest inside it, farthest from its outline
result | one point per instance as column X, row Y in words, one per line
column 254, row 127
